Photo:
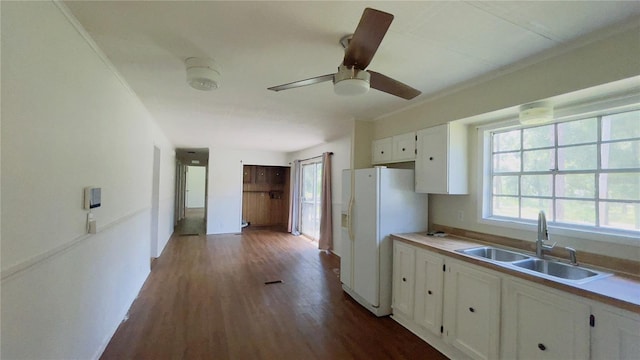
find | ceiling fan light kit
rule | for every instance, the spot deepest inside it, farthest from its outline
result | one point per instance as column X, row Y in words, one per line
column 536, row 113
column 351, row 81
column 202, row 73
column 352, row 78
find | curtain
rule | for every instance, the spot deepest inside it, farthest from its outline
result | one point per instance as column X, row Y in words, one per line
column 294, row 210
column 326, row 219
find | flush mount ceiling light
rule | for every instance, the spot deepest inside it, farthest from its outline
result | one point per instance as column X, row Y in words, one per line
column 536, row 113
column 202, row 74
column 351, row 81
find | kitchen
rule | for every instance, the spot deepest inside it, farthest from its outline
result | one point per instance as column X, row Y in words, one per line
column 601, row 69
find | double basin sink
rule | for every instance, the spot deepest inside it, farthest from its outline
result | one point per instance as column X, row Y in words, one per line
column 545, row 268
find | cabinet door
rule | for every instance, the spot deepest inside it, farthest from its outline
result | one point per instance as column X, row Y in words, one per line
column 431, row 160
column 615, row 334
column 262, row 175
column 429, row 290
column 247, row 174
column 277, row 175
column 404, row 147
column 538, row 324
column 472, row 310
column 381, row 150
column 404, row 259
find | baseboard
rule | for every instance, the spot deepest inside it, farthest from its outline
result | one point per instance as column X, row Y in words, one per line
column 124, row 316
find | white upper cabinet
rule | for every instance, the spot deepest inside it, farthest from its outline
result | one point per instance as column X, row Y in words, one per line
column 441, row 160
column 394, row 149
column 381, row 150
column 404, row 147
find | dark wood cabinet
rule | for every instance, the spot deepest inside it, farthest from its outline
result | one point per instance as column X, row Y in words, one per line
column 277, row 175
column 262, row 175
column 247, row 174
column 265, row 199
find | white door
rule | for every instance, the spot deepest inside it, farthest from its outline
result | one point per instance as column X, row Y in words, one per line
column 155, row 202
column 195, row 186
column 366, row 257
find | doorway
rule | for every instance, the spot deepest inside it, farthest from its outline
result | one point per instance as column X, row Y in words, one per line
column 265, row 197
column 310, row 199
column 155, row 203
column 191, row 191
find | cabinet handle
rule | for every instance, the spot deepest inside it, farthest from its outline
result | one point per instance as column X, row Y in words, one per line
column 404, row 279
column 431, row 158
column 542, row 347
column 403, row 149
column 429, row 292
column 381, row 152
column 472, row 309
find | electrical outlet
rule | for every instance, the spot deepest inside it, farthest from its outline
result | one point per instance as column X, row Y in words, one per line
column 460, row 215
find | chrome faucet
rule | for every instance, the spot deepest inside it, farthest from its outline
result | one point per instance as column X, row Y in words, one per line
column 572, row 255
column 543, row 235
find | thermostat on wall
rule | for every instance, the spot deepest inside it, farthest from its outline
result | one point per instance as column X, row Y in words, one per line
column 92, row 197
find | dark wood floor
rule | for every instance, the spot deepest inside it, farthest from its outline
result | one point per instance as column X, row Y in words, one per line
column 193, row 222
column 206, row 299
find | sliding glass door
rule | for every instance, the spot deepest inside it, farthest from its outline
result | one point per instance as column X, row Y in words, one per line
column 310, row 195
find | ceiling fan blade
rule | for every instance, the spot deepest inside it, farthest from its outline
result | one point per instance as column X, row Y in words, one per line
column 391, row 86
column 296, row 84
column 367, row 37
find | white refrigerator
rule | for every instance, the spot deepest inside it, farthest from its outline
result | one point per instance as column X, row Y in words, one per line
column 383, row 202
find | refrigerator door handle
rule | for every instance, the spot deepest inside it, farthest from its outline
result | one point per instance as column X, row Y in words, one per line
column 350, row 217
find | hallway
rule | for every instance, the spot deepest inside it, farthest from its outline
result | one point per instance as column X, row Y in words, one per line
column 193, row 222
column 206, row 298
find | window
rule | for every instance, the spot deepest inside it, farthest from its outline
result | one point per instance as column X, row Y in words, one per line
column 584, row 173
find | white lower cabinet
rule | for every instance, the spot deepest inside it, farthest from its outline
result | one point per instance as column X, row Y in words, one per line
column 404, row 259
column 615, row 334
column 468, row 311
column 540, row 324
column 429, row 291
column 472, row 310
column 451, row 298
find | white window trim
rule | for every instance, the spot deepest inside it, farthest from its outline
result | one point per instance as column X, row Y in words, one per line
column 625, row 102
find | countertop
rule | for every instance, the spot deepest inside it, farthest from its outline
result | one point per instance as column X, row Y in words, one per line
column 619, row 291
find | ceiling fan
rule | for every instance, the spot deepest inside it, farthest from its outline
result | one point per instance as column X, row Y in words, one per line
column 352, row 78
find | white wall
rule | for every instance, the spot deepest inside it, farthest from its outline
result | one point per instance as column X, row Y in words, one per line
column 225, row 185
column 68, row 121
column 603, row 61
column 341, row 160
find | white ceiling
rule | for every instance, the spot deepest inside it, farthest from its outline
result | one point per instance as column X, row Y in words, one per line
column 431, row 46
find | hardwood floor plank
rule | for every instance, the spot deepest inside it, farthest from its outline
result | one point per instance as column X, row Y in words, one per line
column 206, row 298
